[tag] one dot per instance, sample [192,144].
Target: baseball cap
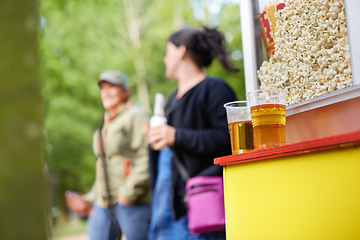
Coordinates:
[115,77]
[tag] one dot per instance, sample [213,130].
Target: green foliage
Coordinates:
[80,39]
[229,24]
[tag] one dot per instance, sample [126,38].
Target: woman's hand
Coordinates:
[161,136]
[124,201]
[77,203]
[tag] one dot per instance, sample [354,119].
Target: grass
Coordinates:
[69,228]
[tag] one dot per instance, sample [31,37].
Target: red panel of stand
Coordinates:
[291,149]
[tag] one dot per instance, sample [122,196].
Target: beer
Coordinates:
[241,136]
[268,125]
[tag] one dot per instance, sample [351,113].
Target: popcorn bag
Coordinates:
[311,54]
[267,21]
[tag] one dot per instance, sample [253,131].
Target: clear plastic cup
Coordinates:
[240,126]
[268,116]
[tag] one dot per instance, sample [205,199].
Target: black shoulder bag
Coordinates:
[111,211]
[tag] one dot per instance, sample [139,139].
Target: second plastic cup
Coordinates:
[240,126]
[268,117]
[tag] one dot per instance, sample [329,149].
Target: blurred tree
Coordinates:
[224,15]
[80,39]
[227,19]
[23,204]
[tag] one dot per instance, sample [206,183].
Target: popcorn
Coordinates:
[311,56]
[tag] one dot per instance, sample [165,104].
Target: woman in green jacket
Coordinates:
[122,180]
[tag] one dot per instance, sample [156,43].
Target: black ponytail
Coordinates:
[204,46]
[218,45]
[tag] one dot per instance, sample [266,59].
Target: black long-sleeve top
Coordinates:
[201,135]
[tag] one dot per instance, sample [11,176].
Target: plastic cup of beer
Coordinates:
[240,126]
[268,116]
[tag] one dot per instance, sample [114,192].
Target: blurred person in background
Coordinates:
[124,187]
[196,128]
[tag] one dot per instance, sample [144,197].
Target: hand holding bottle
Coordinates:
[161,136]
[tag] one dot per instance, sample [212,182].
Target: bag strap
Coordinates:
[106,174]
[117,227]
[182,170]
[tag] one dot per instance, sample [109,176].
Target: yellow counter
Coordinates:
[309,193]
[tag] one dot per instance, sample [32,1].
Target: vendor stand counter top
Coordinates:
[307,190]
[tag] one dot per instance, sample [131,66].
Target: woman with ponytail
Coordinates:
[196,130]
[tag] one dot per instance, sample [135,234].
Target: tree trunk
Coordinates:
[134,23]
[23,208]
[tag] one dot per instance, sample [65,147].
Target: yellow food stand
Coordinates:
[309,188]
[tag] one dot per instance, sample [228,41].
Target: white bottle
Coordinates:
[159,116]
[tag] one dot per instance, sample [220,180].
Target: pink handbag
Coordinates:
[205,201]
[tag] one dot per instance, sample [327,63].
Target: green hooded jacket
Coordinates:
[126,156]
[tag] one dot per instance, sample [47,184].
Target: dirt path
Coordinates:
[81,236]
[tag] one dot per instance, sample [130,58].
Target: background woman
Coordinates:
[126,161]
